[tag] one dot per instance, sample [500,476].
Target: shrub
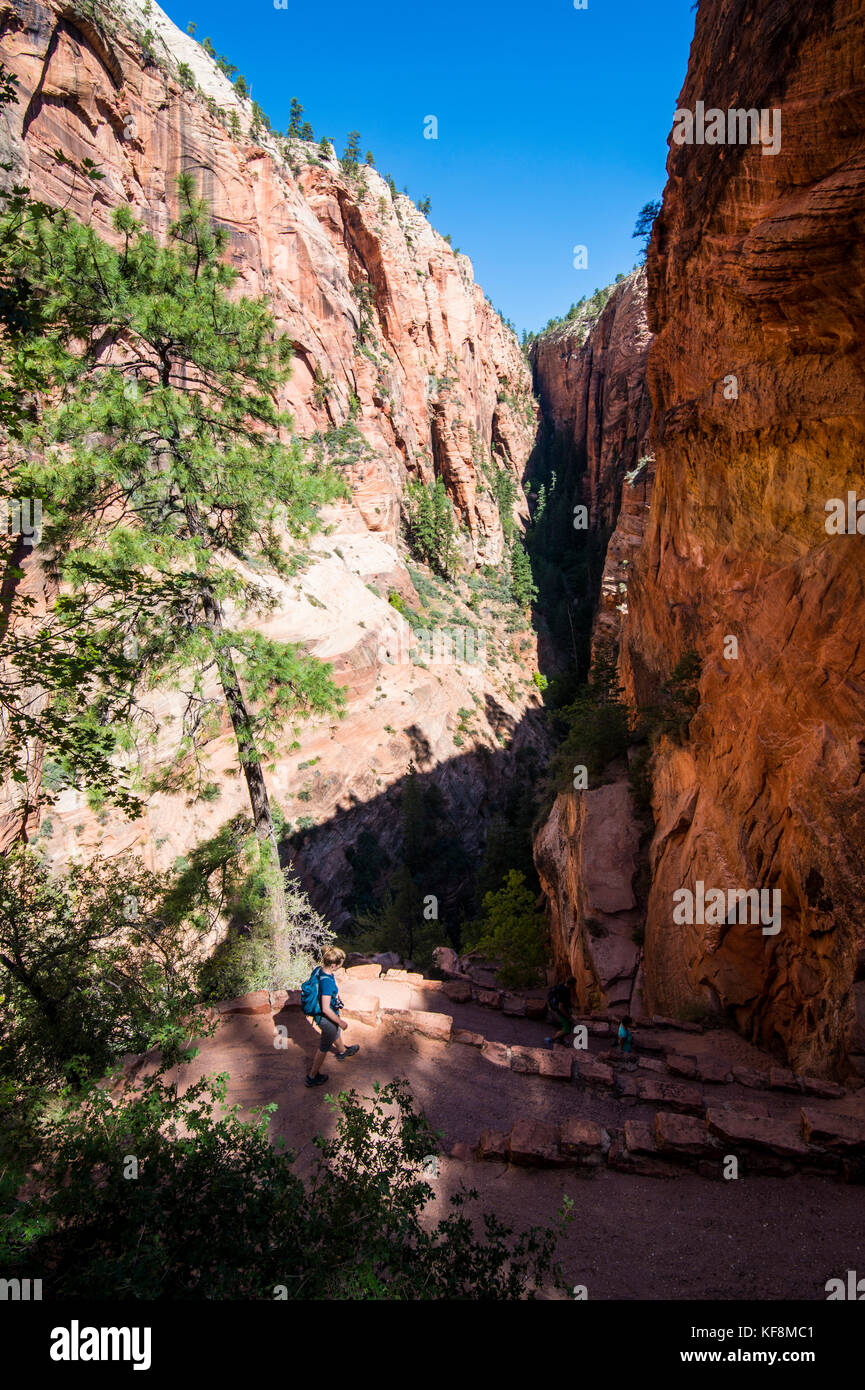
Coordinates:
[512,932]
[90,965]
[217,1212]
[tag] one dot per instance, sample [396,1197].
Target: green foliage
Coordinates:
[159,470]
[295,119]
[430,526]
[513,932]
[90,965]
[678,701]
[350,162]
[505,492]
[582,315]
[260,121]
[241,88]
[364,296]
[369,862]
[218,1212]
[645,221]
[596,728]
[523,587]
[432,860]
[187,76]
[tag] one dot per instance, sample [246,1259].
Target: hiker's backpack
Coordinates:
[310,994]
[553,1000]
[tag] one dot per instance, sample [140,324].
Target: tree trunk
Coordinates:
[249,761]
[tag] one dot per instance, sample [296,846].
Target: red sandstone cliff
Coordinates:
[592,386]
[755,272]
[756,375]
[393,340]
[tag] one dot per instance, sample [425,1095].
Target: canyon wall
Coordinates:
[756,304]
[591,381]
[756,300]
[402,371]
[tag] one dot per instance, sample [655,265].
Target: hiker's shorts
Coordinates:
[566,1023]
[329,1032]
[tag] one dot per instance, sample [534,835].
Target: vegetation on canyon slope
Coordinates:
[138,400]
[160,460]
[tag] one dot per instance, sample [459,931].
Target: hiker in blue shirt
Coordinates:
[625,1037]
[326,1014]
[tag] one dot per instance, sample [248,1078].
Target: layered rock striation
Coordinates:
[756,371]
[402,371]
[591,380]
[739,564]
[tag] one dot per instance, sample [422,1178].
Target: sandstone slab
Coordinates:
[684,1134]
[672,1095]
[534,1144]
[514,1005]
[460,991]
[493,1145]
[469,1039]
[257,1002]
[833,1128]
[780,1137]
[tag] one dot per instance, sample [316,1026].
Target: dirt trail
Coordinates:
[634,1236]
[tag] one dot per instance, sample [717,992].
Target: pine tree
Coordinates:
[241,88]
[351,154]
[161,466]
[523,586]
[645,221]
[295,116]
[307,132]
[445,529]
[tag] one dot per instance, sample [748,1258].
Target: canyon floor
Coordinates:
[681,1233]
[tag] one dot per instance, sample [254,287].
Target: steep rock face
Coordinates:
[379,307]
[592,390]
[592,386]
[756,300]
[402,370]
[586,855]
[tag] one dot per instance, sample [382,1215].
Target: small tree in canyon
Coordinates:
[171,480]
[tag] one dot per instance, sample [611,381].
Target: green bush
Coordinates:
[511,931]
[217,1212]
[90,965]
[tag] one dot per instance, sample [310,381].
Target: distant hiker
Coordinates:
[625,1037]
[559,1004]
[321,1002]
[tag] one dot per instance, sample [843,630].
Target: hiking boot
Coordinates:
[315,1080]
[347,1052]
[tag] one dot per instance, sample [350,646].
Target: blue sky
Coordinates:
[552,121]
